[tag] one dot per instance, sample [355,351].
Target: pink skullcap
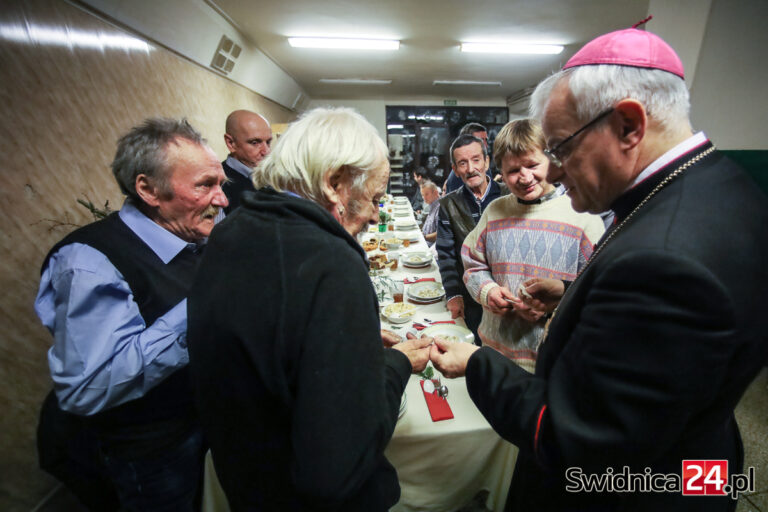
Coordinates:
[629,47]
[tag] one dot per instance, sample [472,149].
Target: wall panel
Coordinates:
[64,105]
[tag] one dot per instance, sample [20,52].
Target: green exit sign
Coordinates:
[450,103]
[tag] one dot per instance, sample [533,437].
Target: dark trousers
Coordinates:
[473,314]
[104,478]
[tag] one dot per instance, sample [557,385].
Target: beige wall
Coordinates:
[193,28]
[728,98]
[63,108]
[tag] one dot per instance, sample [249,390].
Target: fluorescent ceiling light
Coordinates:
[354,81]
[525,48]
[465,82]
[343,43]
[37,34]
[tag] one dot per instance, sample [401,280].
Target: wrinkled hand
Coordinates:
[497,303]
[389,338]
[545,293]
[451,358]
[456,306]
[416,350]
[527,313]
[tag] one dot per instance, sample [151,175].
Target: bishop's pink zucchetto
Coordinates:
[629,47]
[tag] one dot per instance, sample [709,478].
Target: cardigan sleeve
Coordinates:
[477,271]
[592,231]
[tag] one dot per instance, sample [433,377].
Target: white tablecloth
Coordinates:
[441,465]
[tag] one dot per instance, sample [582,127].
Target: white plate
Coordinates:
[401,214]
[406,226]
[411,236]
[450,331]
[415,266]
[416,259]
[432,291]
[392,243]
[402,317]
[400,200]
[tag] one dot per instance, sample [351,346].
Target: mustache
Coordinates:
[211,211]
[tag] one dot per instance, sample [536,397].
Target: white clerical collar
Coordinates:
[676,152]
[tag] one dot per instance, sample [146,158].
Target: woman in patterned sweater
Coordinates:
[532,232]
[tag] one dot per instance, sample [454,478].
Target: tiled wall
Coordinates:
[63,106]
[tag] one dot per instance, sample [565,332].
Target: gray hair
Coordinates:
[143,151]
[597,88]
[323,141]
[428,184]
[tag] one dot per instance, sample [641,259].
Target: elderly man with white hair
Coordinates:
[653,344]
[297,396]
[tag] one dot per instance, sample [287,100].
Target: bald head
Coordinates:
[248,137]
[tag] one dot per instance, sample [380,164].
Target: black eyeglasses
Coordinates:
[552,153]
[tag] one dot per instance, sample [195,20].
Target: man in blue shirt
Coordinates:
[431,193]
[248,137]
[120,429]
[459,212]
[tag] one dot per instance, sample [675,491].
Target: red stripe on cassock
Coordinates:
[538,427]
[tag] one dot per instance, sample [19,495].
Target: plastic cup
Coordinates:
[397,291]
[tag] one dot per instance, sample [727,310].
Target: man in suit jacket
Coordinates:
[653,345]
[248,137]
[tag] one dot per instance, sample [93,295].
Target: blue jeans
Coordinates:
[167,481]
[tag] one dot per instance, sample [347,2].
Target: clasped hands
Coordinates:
[447,356]
[501,301]
[451,358]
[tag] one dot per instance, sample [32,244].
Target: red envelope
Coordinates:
[437,405]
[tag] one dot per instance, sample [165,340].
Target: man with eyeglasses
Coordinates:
[652,346]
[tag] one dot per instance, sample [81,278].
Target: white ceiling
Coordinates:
[430,32]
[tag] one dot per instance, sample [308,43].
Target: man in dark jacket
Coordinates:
[652,346]
[248,137]
[459,212]
[453,181]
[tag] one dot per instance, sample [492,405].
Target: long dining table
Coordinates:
[441,465]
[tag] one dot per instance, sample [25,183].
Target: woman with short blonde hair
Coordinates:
[532,232]
[297,396]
